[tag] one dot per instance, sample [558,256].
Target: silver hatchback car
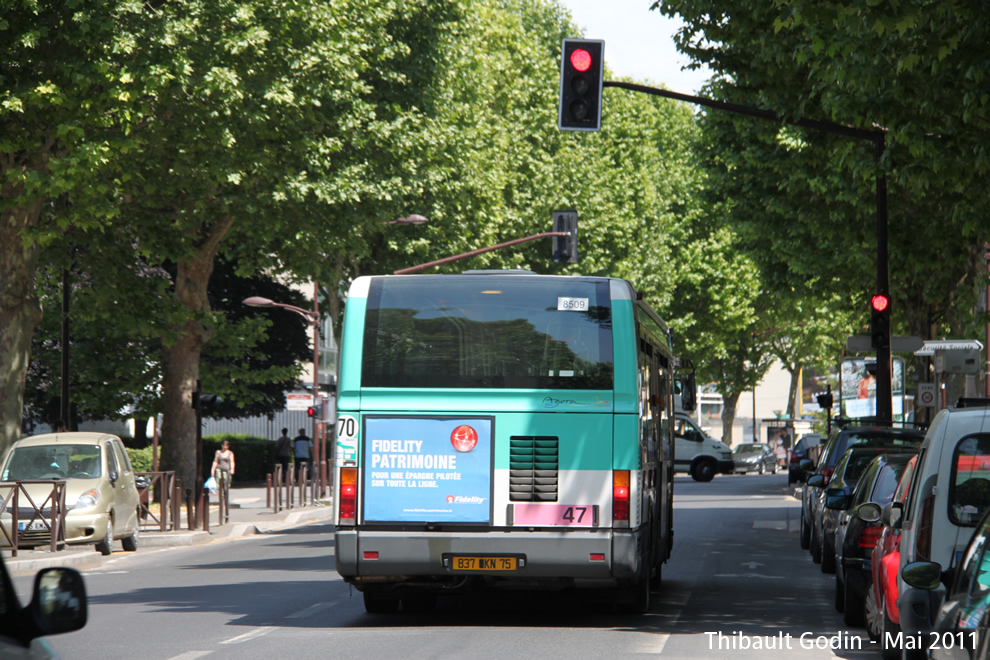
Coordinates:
[101,498]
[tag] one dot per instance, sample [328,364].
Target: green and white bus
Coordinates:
[501,428]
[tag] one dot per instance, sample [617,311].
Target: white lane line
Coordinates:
[676,605]
[312,609]
[190,655]
[257,632]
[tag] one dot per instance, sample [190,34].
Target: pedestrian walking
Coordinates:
[283,453]
[223,464]
[303,446]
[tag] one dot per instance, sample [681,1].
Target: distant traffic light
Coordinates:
[880,321]
[315,411]
[565,247]
[582,70]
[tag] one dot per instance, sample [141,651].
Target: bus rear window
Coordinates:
[970,486]
[488,331]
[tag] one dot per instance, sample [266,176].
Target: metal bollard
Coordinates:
[190,515]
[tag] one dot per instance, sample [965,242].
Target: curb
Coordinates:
[87,559]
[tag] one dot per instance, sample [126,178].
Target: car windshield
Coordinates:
[53,462]
[749,449]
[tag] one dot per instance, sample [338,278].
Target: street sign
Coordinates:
[926,394]
[298,402]
[864,344]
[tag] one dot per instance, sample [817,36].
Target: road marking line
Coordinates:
[257,632]
[312,609]
[770,524]
[190,655]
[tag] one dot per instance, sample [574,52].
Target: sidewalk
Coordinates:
[248,515]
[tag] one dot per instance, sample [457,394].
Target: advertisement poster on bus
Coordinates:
[420,469]
[859,387]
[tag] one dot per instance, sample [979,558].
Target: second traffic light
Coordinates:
[880,321]
[565,248]
[582,70]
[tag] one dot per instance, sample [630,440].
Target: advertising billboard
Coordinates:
[427,469]
[859,395]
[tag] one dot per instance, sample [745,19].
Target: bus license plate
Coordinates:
[483,563]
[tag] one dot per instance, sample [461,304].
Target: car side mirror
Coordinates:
[806,464]
[892,514]
[925,575]
[59,602]
[112,475]
[869,512]
[816,481]
[836,499]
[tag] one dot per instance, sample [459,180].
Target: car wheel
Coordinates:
[105,546]
[828,555]
[816,547]
[378,604]
[805,533]
[853,608]
[872,614]
[704,471]
[130,543]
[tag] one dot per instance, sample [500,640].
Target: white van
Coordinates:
[697,453]
[948,498]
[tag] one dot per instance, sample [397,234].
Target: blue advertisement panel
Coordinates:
[420,469]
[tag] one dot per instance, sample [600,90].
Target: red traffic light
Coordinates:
[879,302]
[581,59]
[311,411]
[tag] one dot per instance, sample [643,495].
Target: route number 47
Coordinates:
[574,514]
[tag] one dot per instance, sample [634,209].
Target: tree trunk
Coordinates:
[20,313]
[180,362]
[793,393]
[729,404]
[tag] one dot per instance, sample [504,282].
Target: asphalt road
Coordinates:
[738,587]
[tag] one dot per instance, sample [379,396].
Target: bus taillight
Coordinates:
[347,508]
[620,496]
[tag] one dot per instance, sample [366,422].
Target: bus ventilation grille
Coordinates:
[533,468]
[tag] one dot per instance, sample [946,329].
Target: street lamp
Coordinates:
[413,219]
[312,316]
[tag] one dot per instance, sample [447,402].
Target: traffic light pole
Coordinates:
[885,410]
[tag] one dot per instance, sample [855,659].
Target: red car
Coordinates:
[881,599]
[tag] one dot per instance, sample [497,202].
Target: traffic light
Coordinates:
[206,404]
[880,321]
[565,247]
[582,70]
[315,411]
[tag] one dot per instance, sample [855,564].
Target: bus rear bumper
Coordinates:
[609,556]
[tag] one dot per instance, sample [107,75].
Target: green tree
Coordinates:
[63,102]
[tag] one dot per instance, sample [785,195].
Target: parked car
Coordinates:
[839,494]
[882,617]
[754,457]
[949,497]
[842,438]
[697,453]
[57,606]
[963,623]
[100,495]
[807,448]
[859,528]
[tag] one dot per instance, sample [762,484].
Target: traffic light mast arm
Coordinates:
[458,257]
[878,137]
